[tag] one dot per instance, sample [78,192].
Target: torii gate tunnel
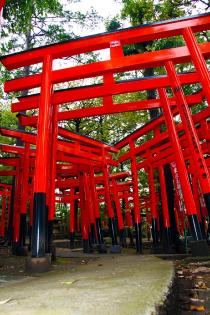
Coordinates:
[182,144]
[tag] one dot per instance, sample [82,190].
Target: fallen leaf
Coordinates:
[201,269]
[69,282]
[201,285]
[199,308]
[5,301]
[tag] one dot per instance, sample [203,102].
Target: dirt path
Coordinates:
[106,285]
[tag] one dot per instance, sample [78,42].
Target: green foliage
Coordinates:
[147,11]
[113,24]
[138,11]
[19,14]
[8,120]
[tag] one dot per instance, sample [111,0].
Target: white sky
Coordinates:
[105,8]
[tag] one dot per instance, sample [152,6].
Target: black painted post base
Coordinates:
[167,243]
[195,227]
[49,237]
[23,230]
[199,248]
[155,234]
[92,234]
[138,238]
[99,231]
[19,250]
[86,247]
[72,238]
[202,227]
[207,202]
[29,235]
[101,248]
[130,235]
[38,239]
[38,264]
[53,253]
[112,231]
[122,235]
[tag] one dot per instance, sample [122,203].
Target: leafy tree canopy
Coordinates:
[19,14]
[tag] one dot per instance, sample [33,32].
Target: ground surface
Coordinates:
[106,285]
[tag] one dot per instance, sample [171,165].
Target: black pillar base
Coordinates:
[130,235]
[92,234]
[167,242]
[23,230]
[101,248]
[38,239]
[49,237]
[155,234]
[112,231]
[86,247]
[122,235]
[195,227]
[202,227]
[99,231]
[207,201]
[19,250]
[138,238]
[29,234]
[38,264]
[53,253]
[72,238]
[199,248]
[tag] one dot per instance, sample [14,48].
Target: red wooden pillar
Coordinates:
[181,167]
[16,214]
[153,201]
[84,215]
[51,175]
[195,189]
[8,206]
[137,216]
[128,217]
[178,200]
[118,211]
[191,134]
[3,213]
[72,217]
[198,60]
[165,211]
[194,185]
[24,194]
[98,225]
[89,207]
[117,205]
[24,188]
[110,210]
[42,160]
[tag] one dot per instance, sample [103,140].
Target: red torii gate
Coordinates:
[48,101]
[81,150]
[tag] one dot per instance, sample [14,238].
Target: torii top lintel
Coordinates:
[101,41]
